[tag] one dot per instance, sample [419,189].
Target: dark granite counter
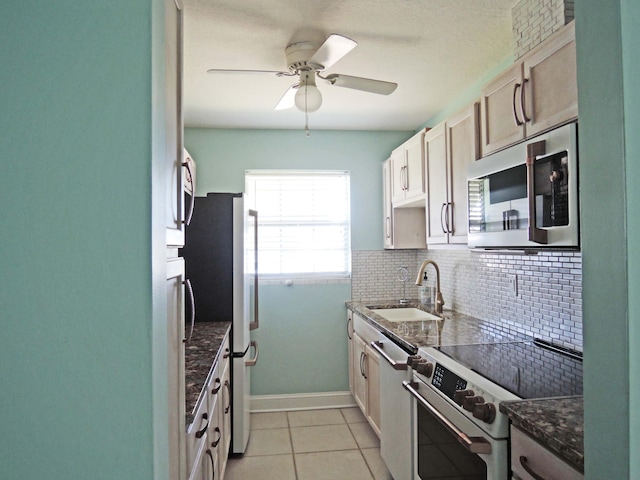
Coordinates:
[452,329]
[200,354]
[556,423]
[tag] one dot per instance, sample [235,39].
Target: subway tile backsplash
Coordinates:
[548,303]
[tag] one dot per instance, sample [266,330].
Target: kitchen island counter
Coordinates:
[201,353]
[556,423]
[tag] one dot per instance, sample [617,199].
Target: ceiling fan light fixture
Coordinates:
[308,98]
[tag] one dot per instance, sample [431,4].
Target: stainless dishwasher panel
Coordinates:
[396,425]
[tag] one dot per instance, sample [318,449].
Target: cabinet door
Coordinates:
[173,149]
[415,167]
[351,351]
[550,83]
[435,154]
[359,379]
[386,204]
[502,122]
[462,150]
[226,413]
[175,367]
[372,369]
[398,177]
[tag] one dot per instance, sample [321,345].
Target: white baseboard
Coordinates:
[301,401]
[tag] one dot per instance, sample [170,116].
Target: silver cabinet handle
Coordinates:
[537,235]
[525,464]
[187,283]
[524,112]
[254,360]
[349,320]
[387,226]
[378,347]
[517,121]
[256,321]
[362,364]
[472,444]
[449,218]
[442,213]
[193,194]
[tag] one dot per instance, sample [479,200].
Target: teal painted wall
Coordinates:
[76,297]
[629,13]
[301,323]
[607,39]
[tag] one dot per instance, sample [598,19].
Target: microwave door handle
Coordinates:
[537,235]
[255,324]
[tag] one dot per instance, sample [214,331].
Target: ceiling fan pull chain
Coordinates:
[306,113]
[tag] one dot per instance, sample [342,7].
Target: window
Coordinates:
[303,222]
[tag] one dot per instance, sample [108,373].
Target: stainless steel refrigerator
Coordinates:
[221,258]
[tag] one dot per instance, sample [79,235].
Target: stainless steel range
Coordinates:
[459,431]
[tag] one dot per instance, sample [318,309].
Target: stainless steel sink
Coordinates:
[407,314]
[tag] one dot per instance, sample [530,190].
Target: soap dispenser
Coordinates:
[423,291]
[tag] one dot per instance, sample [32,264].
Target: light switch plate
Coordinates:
[513,284]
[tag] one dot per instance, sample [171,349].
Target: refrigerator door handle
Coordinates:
[254,360]
[255,324]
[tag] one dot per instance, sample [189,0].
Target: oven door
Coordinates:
[448,445]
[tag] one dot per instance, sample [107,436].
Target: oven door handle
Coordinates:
[472,444]
[378,347]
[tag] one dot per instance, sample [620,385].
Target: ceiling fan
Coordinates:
[307,61]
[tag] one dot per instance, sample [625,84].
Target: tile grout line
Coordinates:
[293,454]
[359,448]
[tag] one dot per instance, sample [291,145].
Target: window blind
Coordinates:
[303,222]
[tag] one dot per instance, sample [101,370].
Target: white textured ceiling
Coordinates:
[433,49]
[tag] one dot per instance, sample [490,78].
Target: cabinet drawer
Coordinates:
[196,432]
[525,450]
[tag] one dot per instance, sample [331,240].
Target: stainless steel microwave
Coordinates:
[526,196]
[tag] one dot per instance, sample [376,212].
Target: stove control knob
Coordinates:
[425,368]
[470,402]
[460,395]
[485,412]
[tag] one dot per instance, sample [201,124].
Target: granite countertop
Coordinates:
[201,352]
[556,423]
[453,329]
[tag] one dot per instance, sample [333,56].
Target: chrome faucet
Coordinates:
[439,299]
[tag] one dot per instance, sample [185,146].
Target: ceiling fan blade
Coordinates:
[248,72]
[361,83]
[288,99]
[333,49]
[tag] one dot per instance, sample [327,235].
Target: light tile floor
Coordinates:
[332,444]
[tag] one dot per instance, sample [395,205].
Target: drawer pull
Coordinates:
[525,464]
[215,443]
[217,384]
[200,433]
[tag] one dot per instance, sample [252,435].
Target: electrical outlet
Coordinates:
[513,284]
[514,378]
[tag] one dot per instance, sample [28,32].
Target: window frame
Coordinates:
[305,277]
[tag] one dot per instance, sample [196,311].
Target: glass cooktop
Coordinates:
[529,369]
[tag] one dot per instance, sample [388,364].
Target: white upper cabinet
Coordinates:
[173,149]
[538,93]
[408,175]
[449,149]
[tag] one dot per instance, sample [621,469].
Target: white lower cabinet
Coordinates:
[209,436]
[532,461]
[365,370]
